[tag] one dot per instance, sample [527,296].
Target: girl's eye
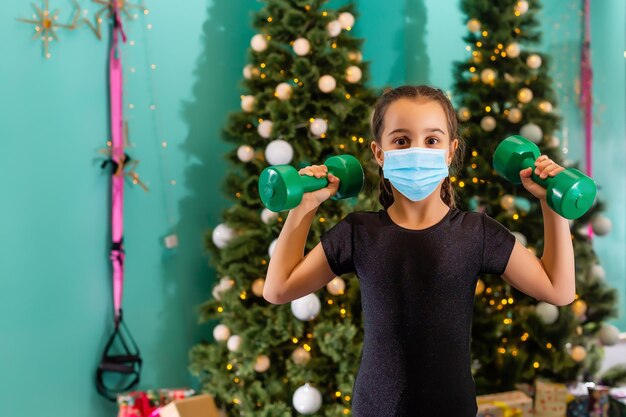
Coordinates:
[403,140]
[429,139]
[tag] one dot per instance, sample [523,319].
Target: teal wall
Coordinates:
[55,303]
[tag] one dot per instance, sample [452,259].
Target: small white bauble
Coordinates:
[507,202]
[355,56]
[306,308]
[520,238]
[533,61]
[464,114]
[262,363]
[318,126]
[473,25]
[301,46]
[609,334]
[597,272]
[247,71]
[327,83]
[334,28]
[222,234]
[480,287]
[234,343]
[515,115]
[300,356]
[257,287]
[265,129]
[578,353]
[513,50]
[221,333]
[487,76]
[554,142]
[488,123]
[226,283]
[336,286]
[307,399]
[525,95]
[278,152]
[521,7]
[258,42]
[245,153]
[601,224]
[548,313]
[217,293]
[268,216]
[271,248]
[545,106]
[247,103]
[353,74]
[532,132]
[283,91]
[346,20]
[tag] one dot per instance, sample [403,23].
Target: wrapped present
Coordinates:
[147,403]
[550,399]
[599,400]
[617,402]
[577,400]
[505,404]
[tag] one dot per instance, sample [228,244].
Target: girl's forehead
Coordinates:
[415,115]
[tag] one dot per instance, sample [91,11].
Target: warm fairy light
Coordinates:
[229,366]
[461,184]
[262,75]
[474,53]
[536,365]
[453,178]
[269,19]
[238,194]
[323,135]
[474,166]
[346,411]
[322,220]
[307,7]
[502,350]
[493,58]
[510,300]
[475,180]
[341,146]
[360,140]
[514,352]
[487,109]
[262,64]
[472,69]
[236,380]
[294,339]
[517,30]
[479,44]
[354,138]
[347,398]
[468,48]
[309,335]
[306,347]
[235,400]
[263,261]
[348,96]
[330,302]
[268,37]
[504,301]
[500,46]
[474,153]
[549,345]
[295,80]
[524,337]
[503,54]
[515,216]
[342,311]
[517,13]
[153,66]
[337,393]
[499,307]
[485,33]
[508,321]
[488,290]
[324,13]
[491,302]
[220,309]
[243,295]
[311,120]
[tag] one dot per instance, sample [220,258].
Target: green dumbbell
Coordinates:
[281,186]
[569,193]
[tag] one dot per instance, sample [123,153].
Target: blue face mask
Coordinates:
[415,171]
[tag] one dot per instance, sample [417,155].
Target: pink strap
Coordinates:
[118,157]
[586,94]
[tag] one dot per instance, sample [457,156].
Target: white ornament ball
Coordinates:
[473,25]
[226,283]
[268,216]
[488,123]
[464,114]
[247,103]
[258,42]
[283,91]
[221,333]
[545,106]
[521,6]
[355,56]
[307,399]
[520,238]
[301,46]
[265,129]
[346,20]
[513,50]
[271,248]
[507,202]
[578,353]
[306,308]
[257,287]
[554,142]
[579,308]
[609,334]
[515,115]
[234,343]
[548,313]
[532,132]
[487,76]
[300,356]
[353,74]
[327,83]
[597,272]
[262,363]
[601,224]
[247,71]
[336,286]
[222,234]
[525,95]
[333,28]
[245,153]
[533,61]
[318,126]
[278,152]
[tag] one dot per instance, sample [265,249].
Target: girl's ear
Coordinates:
[377,152]
[453,145]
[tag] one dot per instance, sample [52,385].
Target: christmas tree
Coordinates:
[504,88]
[305,100]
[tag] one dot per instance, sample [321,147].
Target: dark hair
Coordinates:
[377,127]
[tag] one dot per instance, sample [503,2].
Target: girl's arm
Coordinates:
[551,278]
[290,274]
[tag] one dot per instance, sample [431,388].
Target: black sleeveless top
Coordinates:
[417,295]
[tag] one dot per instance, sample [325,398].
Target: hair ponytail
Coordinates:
[385,194]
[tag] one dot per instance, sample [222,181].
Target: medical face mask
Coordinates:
[415,171]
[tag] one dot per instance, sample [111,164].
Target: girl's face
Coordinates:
[414,123]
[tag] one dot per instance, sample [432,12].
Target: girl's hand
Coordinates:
[544,166]
[317,197]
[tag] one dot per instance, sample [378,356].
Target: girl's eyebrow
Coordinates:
[434,129]
[399,130]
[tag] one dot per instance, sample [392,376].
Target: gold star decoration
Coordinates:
[126,166]
[123,7]
[46,24]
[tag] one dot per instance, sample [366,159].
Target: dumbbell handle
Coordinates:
[311,183]
[530,163]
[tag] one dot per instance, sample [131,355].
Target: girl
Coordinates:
[418,261]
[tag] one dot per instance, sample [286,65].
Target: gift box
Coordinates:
[198,406]
[617,403]
[147,403]
[550,399]
[505,404]
[577,400]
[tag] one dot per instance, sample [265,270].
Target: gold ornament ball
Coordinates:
[488,76]
[545,106]
[578,353]
[480,287]
[579,308]
[525,95]
[257,287]
[507,202]
[473,25]
[515,115]
[300,356]
[521,7]
[355,56]
[464,114]
[488,123]
[336,286]
[262,363]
